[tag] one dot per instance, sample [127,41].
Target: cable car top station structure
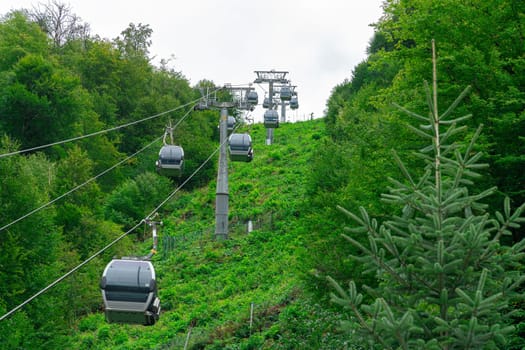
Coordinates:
[279,85]
[271,76]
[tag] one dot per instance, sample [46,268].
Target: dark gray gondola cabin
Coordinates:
[231,123]
[285,93]
[171,160]
[266,102]
[294,102]
[271,119]
[129,291]
[241,148]
[252,97]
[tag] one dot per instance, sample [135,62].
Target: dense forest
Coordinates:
[420,155]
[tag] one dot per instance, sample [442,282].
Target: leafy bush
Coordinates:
[89,323]
[134,199]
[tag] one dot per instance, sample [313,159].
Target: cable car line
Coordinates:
[92,179]
[85,262]
[129,285]
[76,268]
[262,88]
[79,186]
[187,180]
[101,131]
[89,135]
[69,273]
[171,156]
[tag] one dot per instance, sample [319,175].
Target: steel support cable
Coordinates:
[78,187]
[262,87]
[89,135]
[60,279]
[90,180]
[234,85]
[105,130]
[85,262]
[265,92]
[188,179]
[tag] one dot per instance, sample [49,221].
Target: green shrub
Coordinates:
[89,323]
[103,333]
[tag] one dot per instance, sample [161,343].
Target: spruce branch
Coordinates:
[403,169]
[352,300]
[357,244]
[410,113]
[377,259]
[451,131]
[506,222]
[420,132]
[456,120]
[473,141]
[454,104]
[351,215]
[427,149]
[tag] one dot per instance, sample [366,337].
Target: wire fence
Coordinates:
[171,243]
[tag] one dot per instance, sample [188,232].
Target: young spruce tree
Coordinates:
[445,281]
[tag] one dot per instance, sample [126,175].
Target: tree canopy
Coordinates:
[440,267]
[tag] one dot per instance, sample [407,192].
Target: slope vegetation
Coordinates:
[246,292]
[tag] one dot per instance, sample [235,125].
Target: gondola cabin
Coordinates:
[171,160]
[285,93]
[241,148]
[129,291]
[266,102]
[231,124]
[252,98]
[271,119]
[294,103]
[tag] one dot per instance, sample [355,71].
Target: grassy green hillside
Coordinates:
[247,292]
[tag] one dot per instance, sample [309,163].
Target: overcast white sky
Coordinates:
[318,42]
